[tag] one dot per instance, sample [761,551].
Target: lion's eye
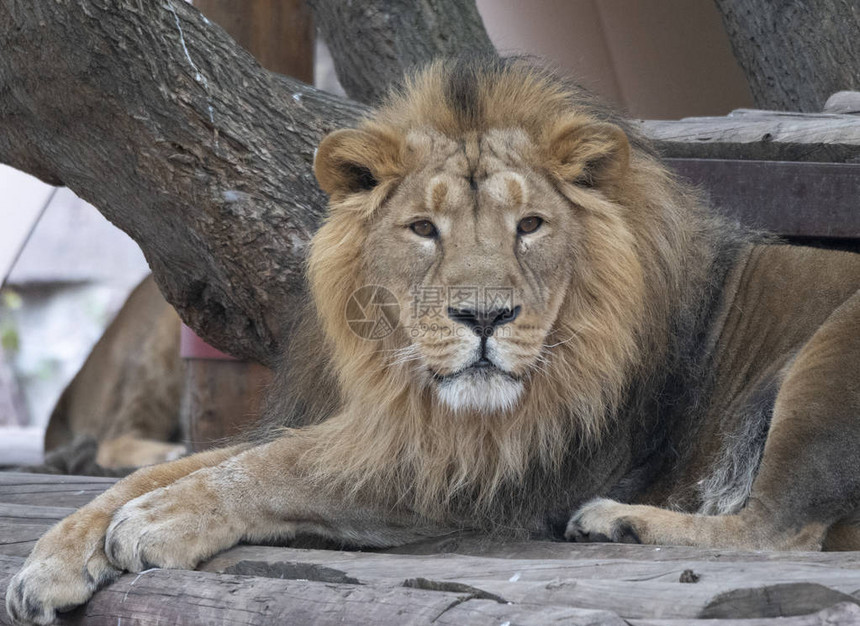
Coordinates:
[529,224]
[424,228]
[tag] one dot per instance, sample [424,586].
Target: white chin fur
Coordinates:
[487,393]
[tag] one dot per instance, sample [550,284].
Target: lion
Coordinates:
[580,349]
[126,396]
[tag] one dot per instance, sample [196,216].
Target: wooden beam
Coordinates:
[790,199]
[760,135]
[278,33]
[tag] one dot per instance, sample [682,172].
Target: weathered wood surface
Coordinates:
[180,597]
[220,399]
[457,579]
[50,490]
[760,135]
[791,199]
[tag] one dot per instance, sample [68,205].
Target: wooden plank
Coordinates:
[635,589]
[28,514]
[790,199]
[19,539]
[220,399]
[331,565]
[474,544]
[181,597]
[278,33]
[50,490]
[522,582]
[29,478]
[758,135]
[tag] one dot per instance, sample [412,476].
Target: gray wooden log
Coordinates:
[844,102]
[795,54]
[629,588]
[842,614]
[760,135]
[374,43]
[181,597]
[194,597]
[373,568]
[633,581]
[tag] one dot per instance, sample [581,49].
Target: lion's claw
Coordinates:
[46,587]
[602,520]
[163,529]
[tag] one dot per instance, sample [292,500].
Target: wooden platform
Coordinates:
[455,580]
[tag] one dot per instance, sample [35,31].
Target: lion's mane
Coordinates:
[627,322]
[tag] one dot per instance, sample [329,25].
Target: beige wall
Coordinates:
[659,59]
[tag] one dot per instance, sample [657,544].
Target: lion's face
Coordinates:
[473,243]
[505,243]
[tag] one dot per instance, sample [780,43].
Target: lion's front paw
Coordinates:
[172,527]
[605,520]
[64,571]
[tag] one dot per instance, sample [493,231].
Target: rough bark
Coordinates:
[795,54]
[150,112]
[373,43]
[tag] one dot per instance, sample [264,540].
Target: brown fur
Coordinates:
[648,342]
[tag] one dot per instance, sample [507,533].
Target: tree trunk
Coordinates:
[373,43]
[150,112]
[795,54]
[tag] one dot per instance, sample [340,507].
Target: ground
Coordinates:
[453,580]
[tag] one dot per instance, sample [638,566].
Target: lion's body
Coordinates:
[648,352]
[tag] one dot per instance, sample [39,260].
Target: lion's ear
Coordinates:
[351,161]
[588,153]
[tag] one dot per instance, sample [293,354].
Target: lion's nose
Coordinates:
[483,323]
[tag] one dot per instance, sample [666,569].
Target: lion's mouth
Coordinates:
[483,367]
[481,386]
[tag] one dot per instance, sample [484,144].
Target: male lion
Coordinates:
[600,336]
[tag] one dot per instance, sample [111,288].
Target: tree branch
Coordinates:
[374,43]
[795,54]
[151,113]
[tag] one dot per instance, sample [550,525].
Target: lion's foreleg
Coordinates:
[809,479]
[68,564]
[261,494]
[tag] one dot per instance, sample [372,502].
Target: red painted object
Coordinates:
[193,347]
